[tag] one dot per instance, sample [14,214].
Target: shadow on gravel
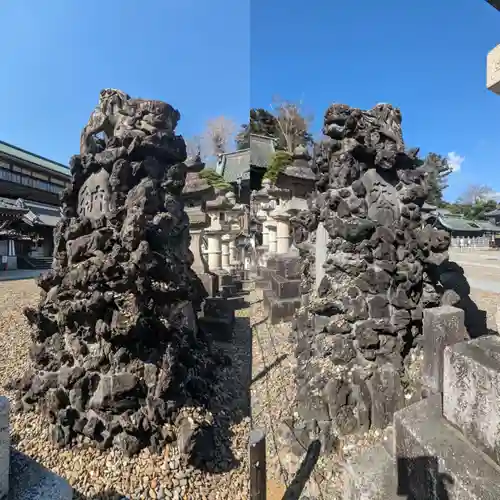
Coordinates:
[268,368]
[294,491]
[450,277]
[230,403]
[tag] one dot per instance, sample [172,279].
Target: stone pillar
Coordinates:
[199,263]
[282,234]
[4,446]
[321,250]
[214,250]
[225,263]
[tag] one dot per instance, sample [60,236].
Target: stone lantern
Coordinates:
[195,194]
[282,277]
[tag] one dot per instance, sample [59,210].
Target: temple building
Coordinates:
[245,168]
[29,207]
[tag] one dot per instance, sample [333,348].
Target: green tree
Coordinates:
[288,125]
[438,170]
[261,122]
[280,160]
[214,179]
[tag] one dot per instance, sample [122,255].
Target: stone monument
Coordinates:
[117,355]
[380,267]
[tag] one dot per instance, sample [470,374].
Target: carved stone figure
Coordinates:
[383,265]
[117,354]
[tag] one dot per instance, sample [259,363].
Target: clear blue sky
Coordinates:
[57,55]
[428,57]
[219,57]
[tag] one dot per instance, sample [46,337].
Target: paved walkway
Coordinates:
[19,274]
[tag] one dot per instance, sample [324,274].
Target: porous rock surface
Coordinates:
[116,352]
[383,266]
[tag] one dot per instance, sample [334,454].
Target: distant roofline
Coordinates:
[260,136]
[56,165]
[235,153]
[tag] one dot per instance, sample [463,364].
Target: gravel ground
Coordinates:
[272,394]
[96,474]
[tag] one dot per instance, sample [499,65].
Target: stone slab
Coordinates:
[436,462]
[442,326]
[31,481]
[471,391]
[228,290]
[371,475]
[248,285]
[285,288]
[279,309]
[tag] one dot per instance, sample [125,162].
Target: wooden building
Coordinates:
[29,206]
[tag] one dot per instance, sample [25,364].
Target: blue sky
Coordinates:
[57,55]
[219,57]
[428,57]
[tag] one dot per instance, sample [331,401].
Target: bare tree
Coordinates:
[475,193]
[218,134]
[194,146]
[293,123]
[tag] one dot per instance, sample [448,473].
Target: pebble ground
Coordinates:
[96,474]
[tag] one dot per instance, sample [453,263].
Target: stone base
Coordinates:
[435,461]
[279,309]
[30,481]
[217,319]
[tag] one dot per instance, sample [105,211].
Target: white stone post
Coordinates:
[225,264]
[265,234]
[272,236]
[214,250]
[4,447]
[233,252]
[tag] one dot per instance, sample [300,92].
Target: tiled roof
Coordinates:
[11,151]
[33,213]
[471,226]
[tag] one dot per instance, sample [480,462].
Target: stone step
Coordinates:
[471,391]
[371,475]
[31,481]
[279,309]
[435,461]
[285,288]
